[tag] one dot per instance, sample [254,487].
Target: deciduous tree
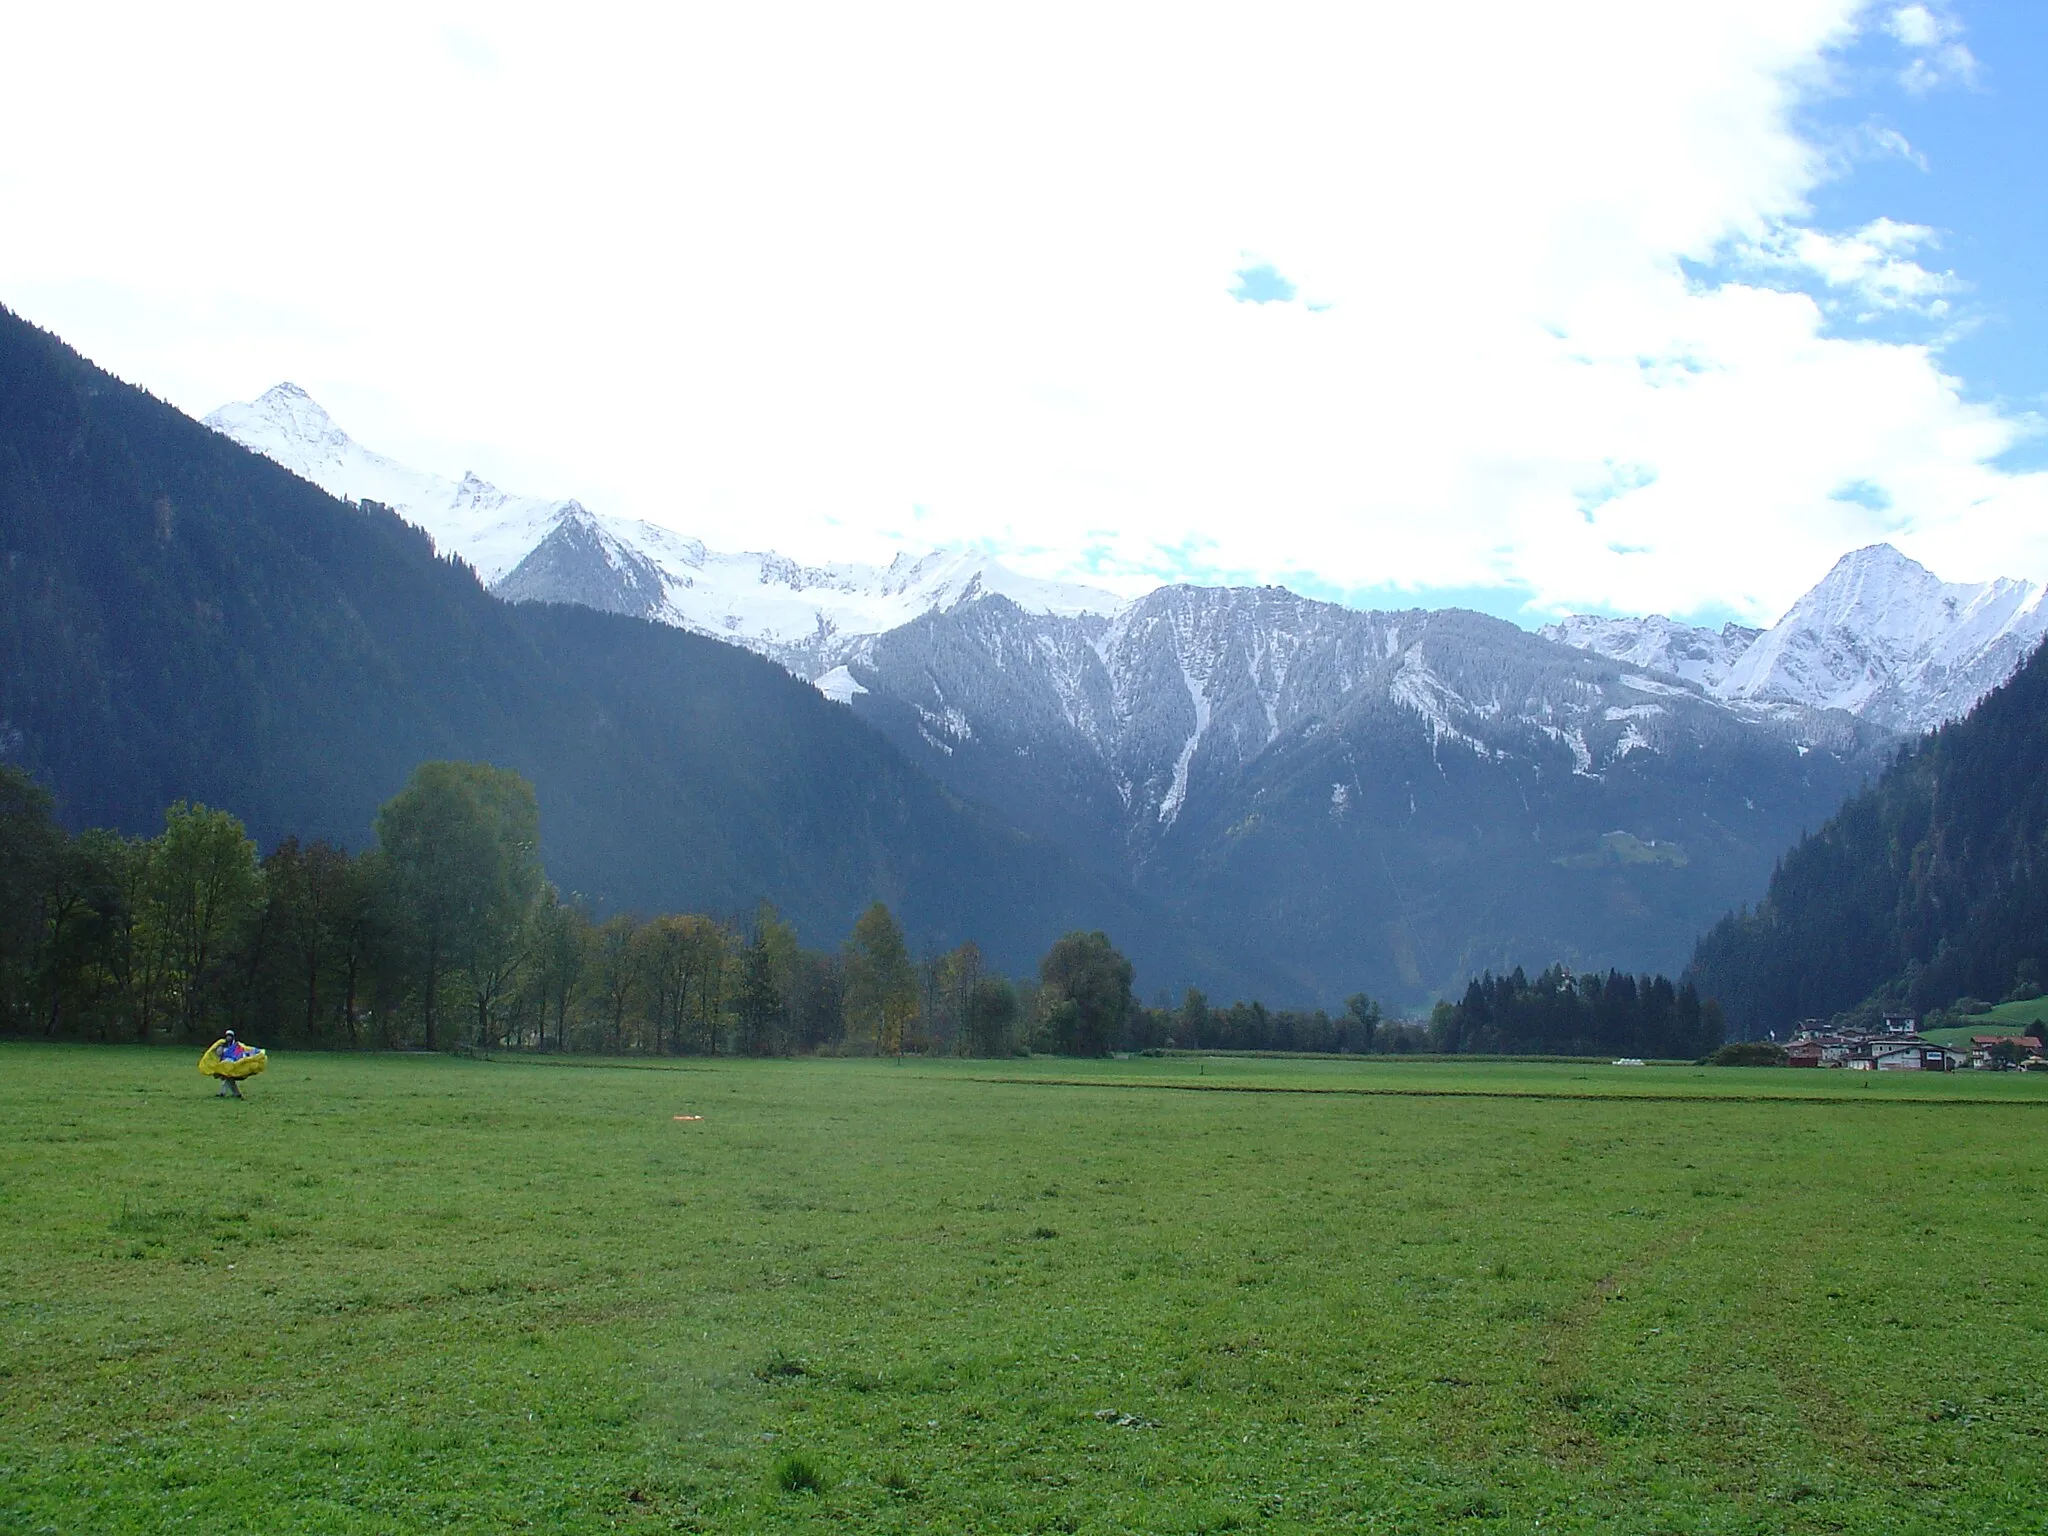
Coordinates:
[461,850]
[1085,992]
[203,883]
[881,982]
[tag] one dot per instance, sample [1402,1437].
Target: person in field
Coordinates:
[231,1061]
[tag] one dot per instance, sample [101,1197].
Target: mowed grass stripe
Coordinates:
[1709,1096]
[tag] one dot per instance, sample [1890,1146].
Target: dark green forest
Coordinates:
[1560,1014]
[1928,888]
[181,619]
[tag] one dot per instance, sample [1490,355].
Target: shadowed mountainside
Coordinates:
[181,618]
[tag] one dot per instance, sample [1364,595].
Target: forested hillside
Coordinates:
[181,619]
[1930,885]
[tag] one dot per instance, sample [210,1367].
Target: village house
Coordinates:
[1817,1047]
[1912,1056]
[1897,1047]
[1985,1053]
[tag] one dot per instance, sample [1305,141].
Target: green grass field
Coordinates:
[2005,1019]
[426,1294]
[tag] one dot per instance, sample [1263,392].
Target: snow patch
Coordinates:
[1421,690]
[1177,791]
[952,720]
[1641,684]
[1575,739]
[839,685]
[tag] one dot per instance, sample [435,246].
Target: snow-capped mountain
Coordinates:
[1880,636]
[489,528]
[1703,656]
[532,549]
[1397,798]
[1883,637]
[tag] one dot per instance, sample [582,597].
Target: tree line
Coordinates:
[1588,1014]
[446,933]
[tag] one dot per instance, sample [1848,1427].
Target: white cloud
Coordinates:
[1915,26]
[836,278]
[1930,33]
[1874,265]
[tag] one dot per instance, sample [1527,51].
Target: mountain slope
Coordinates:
[530,549]
[1385,801]
[1932,884]
[181,618]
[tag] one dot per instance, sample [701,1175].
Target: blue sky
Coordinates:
[1978,176]
[1598,306]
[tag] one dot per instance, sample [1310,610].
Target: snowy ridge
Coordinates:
[1880,637]
[1703,656]
[470,517]
[811,618]
[1883,637]
[1161,715]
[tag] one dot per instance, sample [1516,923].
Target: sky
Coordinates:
[1615,307]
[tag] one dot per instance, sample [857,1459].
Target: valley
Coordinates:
[1261,794]
[1390,801]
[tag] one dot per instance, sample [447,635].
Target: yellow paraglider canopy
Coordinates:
[247,1061]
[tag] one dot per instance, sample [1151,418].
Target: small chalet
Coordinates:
[1915,1056]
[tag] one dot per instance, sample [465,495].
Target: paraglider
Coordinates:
[231,1061]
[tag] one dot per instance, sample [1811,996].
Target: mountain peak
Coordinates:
[1878,556]
[1876,570]
[294,411]
[1882,636]
[284,415]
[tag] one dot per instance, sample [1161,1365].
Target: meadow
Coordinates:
[2020,1018]
[408,1293]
